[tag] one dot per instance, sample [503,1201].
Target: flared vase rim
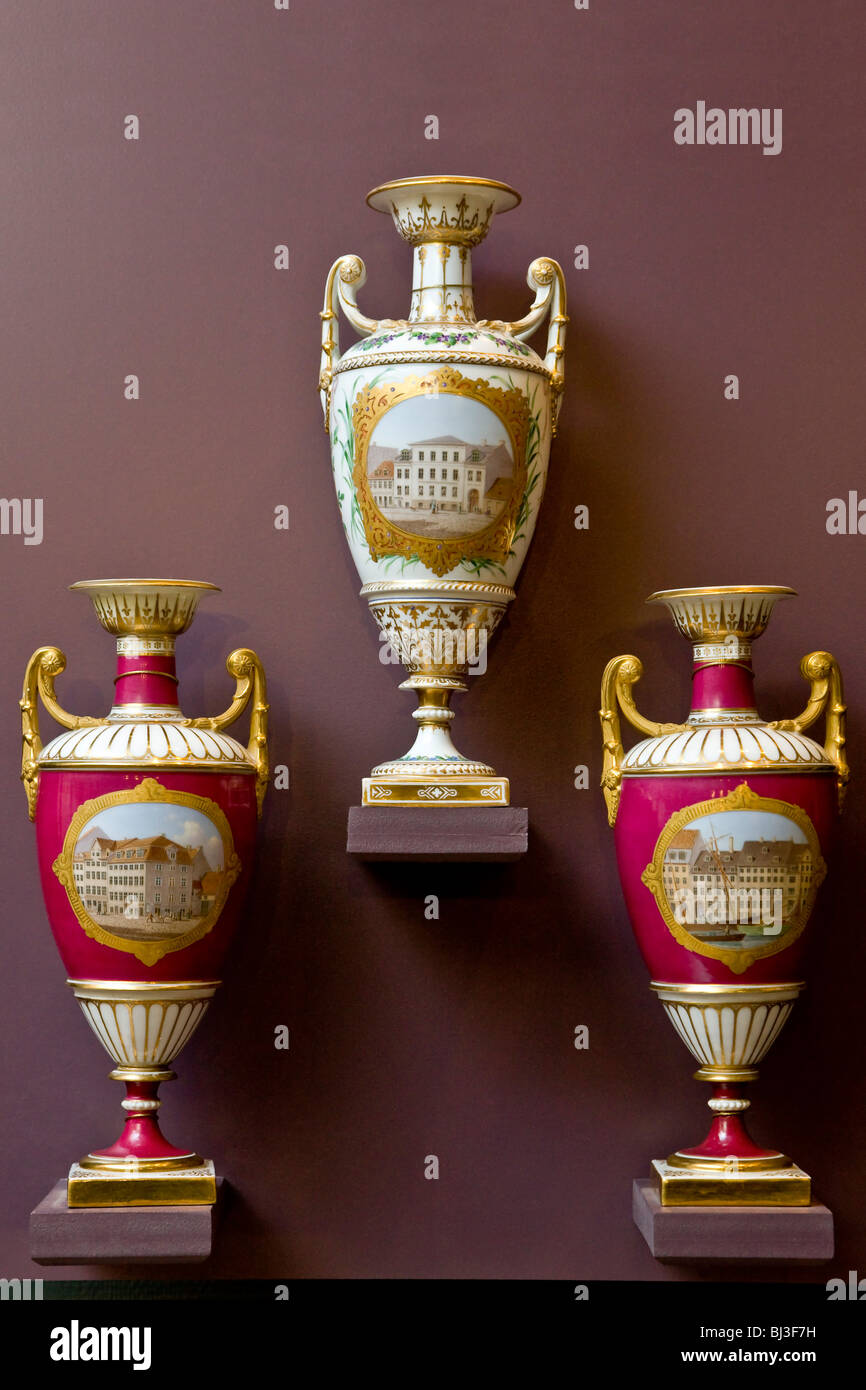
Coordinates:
[778,591]
[380,197]
[90,586]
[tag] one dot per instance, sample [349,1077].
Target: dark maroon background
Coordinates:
[411,1037]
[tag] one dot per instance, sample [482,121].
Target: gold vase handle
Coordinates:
[347,275]
[42,669]
[250,681]
[826,696]
[620,675]
[545,277]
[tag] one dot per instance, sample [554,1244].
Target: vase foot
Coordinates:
[416,789]
[734,1186]
[142,1184]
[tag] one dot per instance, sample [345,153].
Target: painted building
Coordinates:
[441,474]
[153,878]
[700,866]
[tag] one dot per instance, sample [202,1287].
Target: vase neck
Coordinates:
[722,680]
[441,283]
[146,676]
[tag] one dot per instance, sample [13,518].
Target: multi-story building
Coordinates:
[703,866]
[445,474]
[678,861]
[153,878]
[382,485]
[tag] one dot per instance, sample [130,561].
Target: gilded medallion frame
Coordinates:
[510,405]
[742,798]
[148,791]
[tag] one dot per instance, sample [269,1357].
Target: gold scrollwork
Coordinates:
[43,667]
[250,680]
[620,674]
[827,694]
[742,798]
[147,791]
[511,406]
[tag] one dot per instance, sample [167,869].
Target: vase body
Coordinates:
[723,827]
[440,428]
[145,827]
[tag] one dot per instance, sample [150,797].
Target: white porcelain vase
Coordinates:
[440,428]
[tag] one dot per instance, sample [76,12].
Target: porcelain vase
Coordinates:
[145,830]
[723,827]
[440,427]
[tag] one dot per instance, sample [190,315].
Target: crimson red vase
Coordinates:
[723,827]
[145,829]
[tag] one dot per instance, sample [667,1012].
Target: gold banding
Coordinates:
[727,1074]
[452,357]
[143,1073]
[439,588]
[722,1165]
[435,789]
[141,671]
[709,990]
[780,591]
[114,1164]
[393,185]
[153,986]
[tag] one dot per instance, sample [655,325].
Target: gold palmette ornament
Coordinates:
[440,428]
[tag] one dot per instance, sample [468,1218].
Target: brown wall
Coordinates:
[411,1037]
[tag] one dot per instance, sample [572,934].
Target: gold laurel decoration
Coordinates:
[372,403]
[147,791]
[742,798]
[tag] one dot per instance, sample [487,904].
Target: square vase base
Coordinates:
[464,790]
[770,1187]
[446,832]
[731,1234]
[64,1235]
[175,1187]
